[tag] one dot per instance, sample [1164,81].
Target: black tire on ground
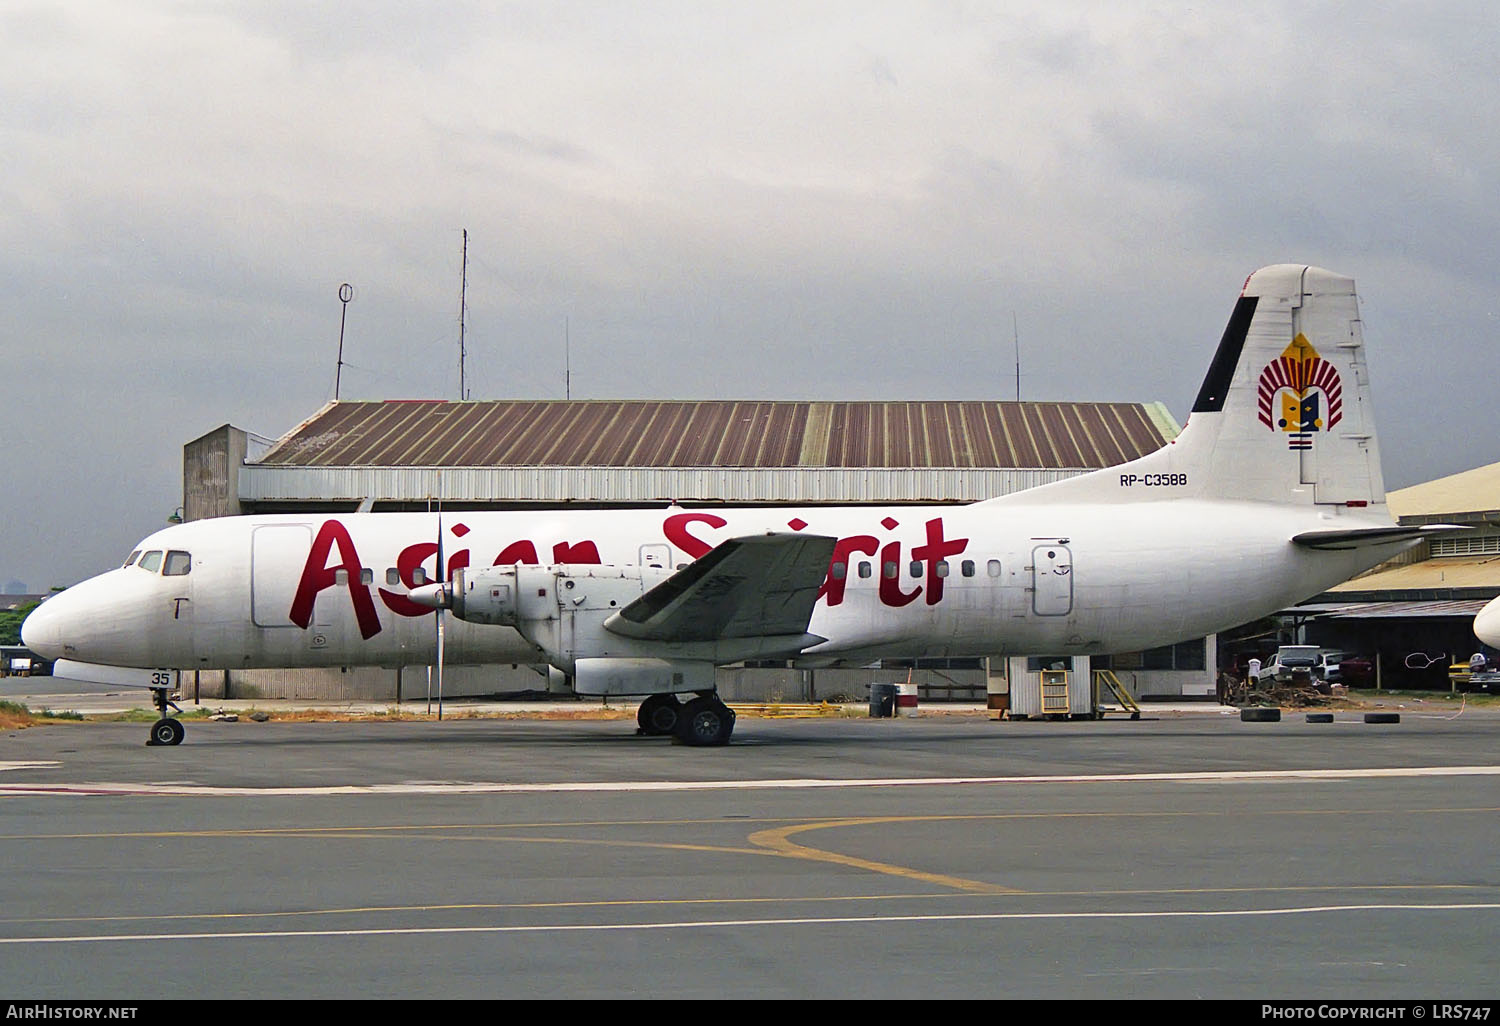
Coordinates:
[1260,715]
[658,714]
[166,731]
[1382,717]
[1320,717]
[704,722]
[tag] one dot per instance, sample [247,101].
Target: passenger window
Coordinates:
[392,576]
[840,571]
[864,568]
[994,568]
[942,568]
[151,561]
[366,576]
[968,568]
[916,568]
[177,565]
[341,577]
[890,569]
[419,577]
[132,557]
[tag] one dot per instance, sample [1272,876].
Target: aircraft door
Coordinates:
[176,572]
[1051,580]
[278,552]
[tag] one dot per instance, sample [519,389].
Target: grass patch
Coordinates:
[14,715]
[147,716]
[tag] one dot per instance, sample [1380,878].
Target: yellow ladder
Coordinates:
[1108,679]
[1054,692]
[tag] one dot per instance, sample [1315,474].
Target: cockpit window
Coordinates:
[151,561]
[132,557]
[178,564]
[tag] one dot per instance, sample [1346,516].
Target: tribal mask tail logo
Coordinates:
[1294,388]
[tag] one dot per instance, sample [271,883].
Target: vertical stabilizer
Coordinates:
[1283,414]
[1294,421]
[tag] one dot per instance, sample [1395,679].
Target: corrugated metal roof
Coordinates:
[1463,608]
[1441,572]
[1472,491]
[648,433]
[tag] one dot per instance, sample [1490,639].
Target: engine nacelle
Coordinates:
[563,611]
[513,596]
[642,676]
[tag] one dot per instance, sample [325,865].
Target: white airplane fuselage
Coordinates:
[1272,493]
[909,581]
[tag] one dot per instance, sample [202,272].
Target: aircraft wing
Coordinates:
[1360,537]
[757,586]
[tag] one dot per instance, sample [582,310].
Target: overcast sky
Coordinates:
[719,200]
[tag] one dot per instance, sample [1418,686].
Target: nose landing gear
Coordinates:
[165,731]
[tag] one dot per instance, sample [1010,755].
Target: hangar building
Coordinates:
[1413,616]
[509,454]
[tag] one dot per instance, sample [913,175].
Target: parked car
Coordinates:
[1357,671]
[1319,664]
[1331,665]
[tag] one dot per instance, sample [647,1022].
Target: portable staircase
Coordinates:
[1107,679]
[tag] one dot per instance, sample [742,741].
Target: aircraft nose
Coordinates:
[41,631]
[1487,624]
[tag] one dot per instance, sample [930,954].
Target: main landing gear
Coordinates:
[165,731]
[700,722]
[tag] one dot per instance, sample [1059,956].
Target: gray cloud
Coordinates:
[749,200]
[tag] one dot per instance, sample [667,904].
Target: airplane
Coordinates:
[1272,493]
[1487,624]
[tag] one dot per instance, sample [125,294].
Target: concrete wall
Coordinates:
[210,473]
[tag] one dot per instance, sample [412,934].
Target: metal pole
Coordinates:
[463,293]
[346,293]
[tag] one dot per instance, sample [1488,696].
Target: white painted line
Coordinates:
[459,787]
[156,938]
[27,765]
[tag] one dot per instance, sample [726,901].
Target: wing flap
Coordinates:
[752,587]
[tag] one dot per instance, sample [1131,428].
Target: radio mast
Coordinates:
[463,294]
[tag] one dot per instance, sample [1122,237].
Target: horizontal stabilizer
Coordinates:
[753,587]
[1362,537]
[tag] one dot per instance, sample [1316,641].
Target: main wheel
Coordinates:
[166,731]
[658,715]
[705,721]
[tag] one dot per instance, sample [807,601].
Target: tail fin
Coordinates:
[1283,415]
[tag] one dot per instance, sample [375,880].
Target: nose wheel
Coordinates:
[165,731]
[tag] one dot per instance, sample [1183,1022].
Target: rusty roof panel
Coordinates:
[656,433]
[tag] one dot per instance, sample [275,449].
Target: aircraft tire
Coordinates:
[658,715]
[705,722]
[1260,714]
[166,731]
